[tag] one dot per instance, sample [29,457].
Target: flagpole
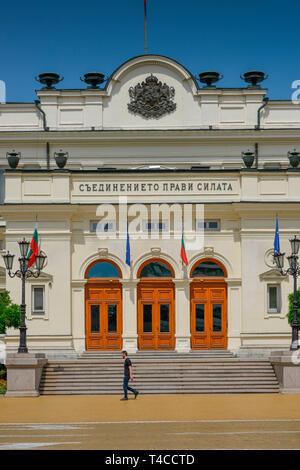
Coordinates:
[146,46]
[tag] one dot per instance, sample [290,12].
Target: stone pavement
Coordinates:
[245,421]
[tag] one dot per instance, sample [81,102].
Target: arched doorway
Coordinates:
[208,305]
[103,298]
[156,316]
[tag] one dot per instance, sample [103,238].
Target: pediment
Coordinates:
[272,275]
[42,277]
[145,63]
[151,92]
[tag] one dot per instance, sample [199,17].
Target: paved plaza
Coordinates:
[186,422]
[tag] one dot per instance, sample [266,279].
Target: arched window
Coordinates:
[156,269]
[103,269]
[208,268]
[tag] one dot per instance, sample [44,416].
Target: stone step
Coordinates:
[110,372]
[223,389]
[152,378]
[154,370]
[133,358]
[176,392]
[196,384]
[151,366]
[156,366]
[87,356]
[153,374]
[155,377]
[155,360]
[148,369]
[151,385]
[160,352]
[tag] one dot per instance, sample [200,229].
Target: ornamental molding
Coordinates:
[269,258]
[151,98]
[156,251]
[209,250]
[103,252]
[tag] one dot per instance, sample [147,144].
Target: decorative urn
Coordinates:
[94,79]
[61,158]
[294,158]
[248,158]
[254,77]
[49,79]
[13,158]
[209,77]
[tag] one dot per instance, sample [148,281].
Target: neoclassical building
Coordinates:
[152,135]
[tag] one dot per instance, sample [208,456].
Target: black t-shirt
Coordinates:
[127,363]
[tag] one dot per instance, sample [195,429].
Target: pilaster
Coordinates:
[130,335]
[78,315]
[182,315]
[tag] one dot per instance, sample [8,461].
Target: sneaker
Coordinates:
[136,394]
[122,399]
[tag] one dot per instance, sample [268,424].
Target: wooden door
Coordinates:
[156,316]
[103,316]
[208,315]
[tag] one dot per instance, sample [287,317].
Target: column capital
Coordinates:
[129,282]
[233,281]
[182,282]
[79,282]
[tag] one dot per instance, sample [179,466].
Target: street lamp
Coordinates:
[24,272]
[293,270]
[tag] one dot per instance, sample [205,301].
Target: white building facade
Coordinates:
[175,144]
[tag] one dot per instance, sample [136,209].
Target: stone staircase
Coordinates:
[101,373]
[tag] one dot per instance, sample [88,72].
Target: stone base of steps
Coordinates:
[211,391]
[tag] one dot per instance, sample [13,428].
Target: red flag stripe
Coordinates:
[34,248]
[35,251]
[183,253]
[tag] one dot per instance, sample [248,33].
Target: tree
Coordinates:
[290,313]
[10,314]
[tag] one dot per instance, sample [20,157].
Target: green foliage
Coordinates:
[290,313]
[2,372]
[10,314]
[2,387]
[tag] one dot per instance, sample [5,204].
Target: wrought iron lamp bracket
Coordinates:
[34,274]
[27,274]
[12,275]
[290,271]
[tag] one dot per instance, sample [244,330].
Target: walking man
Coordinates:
[127,376]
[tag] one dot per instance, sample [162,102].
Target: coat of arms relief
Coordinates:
[151,98]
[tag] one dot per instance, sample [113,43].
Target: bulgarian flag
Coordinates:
[183,253]
[34,247]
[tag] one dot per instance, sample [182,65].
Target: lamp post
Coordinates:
[24,272]
[293,270]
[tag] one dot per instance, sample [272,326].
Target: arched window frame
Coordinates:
[209,277]
[103,261]
[153,260]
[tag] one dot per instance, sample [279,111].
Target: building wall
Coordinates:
[243,245]
[210,128]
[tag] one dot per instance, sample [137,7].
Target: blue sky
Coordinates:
[72,38]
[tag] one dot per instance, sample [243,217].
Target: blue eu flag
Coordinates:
[276,239]
[128,249]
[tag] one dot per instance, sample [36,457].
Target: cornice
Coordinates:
[162,135]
